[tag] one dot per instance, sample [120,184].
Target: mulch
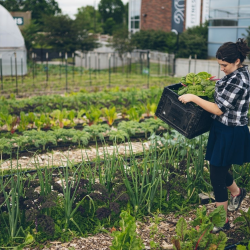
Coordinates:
[166,230]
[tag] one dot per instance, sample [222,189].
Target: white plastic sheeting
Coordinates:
[11,43]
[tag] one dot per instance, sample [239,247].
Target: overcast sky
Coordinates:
[70,6]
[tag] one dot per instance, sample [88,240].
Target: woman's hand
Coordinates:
[186,98]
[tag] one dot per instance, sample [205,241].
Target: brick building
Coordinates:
[166,15]
[156,15]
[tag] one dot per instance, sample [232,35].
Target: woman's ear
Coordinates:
[237,62]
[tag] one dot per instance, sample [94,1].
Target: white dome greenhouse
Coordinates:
[11,42]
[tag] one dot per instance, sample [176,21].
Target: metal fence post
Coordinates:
[195,57]
[81,63]
[90,81]
[1,69]
[60,66]
[22,69]
[148,57]
[66,69]
[11,70]
[47,67]
[16,73]
[166,66]
[99,63]
[158,64]
[109,69]
[73,67]
[189,63]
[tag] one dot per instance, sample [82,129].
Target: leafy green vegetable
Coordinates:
[204,75]
[126,238]
[199,236]
[192,78]
[198,84]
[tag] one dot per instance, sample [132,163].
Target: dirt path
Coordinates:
[59,158]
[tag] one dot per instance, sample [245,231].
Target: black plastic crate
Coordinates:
[188,119]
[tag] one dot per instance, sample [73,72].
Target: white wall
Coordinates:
[6,55]
[196,66]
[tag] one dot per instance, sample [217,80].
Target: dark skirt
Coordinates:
[228,145]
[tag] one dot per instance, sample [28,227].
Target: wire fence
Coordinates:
[88,71]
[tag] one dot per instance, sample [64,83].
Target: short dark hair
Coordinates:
[230,51]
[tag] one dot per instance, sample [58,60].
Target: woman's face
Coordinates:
[228,68]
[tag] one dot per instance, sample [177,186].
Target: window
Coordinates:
[134,13]
[244,2]
[223,22]
[221,35]
[244,11]
[244,22]
[224,13]
[220,4]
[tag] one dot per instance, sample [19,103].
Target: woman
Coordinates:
[229,138]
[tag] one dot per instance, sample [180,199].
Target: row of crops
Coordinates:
[59,203]
[54,203]
[115,115]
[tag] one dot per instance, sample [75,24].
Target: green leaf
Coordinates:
[221,241]
[218,216]
[181,228]
[204,75]
[240,247]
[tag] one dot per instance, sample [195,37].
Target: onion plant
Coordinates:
[69,187]
[142,179]
[12,202]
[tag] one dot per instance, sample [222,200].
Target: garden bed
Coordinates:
[166,230]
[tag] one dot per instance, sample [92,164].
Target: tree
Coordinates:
[38,8]
[109,26]
[89,19]
[154,40]
[85,41]
[11,5]
[62,33]
[192,44]
[111,9]
[41,8]
[29,33]
[67,35]
[121,42]
[193,41]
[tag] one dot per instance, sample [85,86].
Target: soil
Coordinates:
[166,230]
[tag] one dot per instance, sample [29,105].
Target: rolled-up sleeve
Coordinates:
[227,99]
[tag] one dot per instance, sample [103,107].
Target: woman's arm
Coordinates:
[208,106]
